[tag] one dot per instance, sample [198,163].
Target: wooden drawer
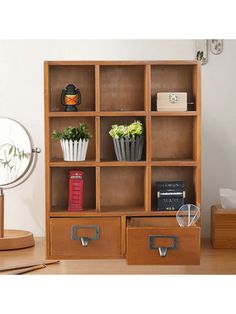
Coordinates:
[160,240]
[85,238]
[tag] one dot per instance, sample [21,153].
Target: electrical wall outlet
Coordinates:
[216,46]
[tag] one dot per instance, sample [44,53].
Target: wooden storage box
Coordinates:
[223,227]
[171,101]
[160,240]
[92,237]
[119,200]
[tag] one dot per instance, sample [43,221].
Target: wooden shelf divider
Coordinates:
[174,114]
[122,113]
[147,89]
[97,88]
[63,114]
[147,189]
[98,189]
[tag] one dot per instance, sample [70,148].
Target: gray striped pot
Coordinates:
[129,149]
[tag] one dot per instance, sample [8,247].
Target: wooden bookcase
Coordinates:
[119,197]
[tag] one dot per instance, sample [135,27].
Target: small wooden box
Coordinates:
[171,101]
[223,227]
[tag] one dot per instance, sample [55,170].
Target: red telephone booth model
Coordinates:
[76,187]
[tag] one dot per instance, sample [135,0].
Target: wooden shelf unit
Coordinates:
[118,92]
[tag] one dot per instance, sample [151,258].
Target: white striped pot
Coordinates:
[74,150]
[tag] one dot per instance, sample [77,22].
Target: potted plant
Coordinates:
[74,142]
[128,141]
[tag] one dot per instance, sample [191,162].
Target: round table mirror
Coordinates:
[17,162]
[15,151]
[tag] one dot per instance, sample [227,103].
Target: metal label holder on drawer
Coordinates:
[84,240]
[162,249]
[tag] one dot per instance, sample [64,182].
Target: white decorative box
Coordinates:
[171,101]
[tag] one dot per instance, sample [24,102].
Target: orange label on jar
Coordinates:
[71,99]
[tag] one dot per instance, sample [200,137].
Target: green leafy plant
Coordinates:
[72,133]
[11,159]
[131,130]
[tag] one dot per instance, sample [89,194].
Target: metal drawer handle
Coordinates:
[84,240]
[162,249]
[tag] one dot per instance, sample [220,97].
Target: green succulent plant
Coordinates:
[131,130]
[73,133]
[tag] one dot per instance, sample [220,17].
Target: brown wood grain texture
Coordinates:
[98,189]
[223,227]
[172,137]
[107,246]
[187,249]
[115,81]
[47,138]
[25,265]
[213,261]
[16,239]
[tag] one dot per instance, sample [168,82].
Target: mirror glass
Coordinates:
[15,151]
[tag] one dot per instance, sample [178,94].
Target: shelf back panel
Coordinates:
[59,124]
[107,146]
[83,77]
[172,138]
[122,88]
[122,187]
[60,188]
[185,174]
[171,78]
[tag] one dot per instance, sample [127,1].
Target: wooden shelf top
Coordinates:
[114,163]
[62,163]
[174,163]
[174,113]
[222,211]
[93,163]
[63,114]
[122,209]
[122,163]
[121,62]
[121,113]
[62,212]
[111,211]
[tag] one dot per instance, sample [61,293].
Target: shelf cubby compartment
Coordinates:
[172,78]
[82,76]
[122,189]
[107,147]
[60,189]
[172,138]
[59,124]
[185,174]
[122,87]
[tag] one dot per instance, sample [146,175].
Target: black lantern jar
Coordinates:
[70,98]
